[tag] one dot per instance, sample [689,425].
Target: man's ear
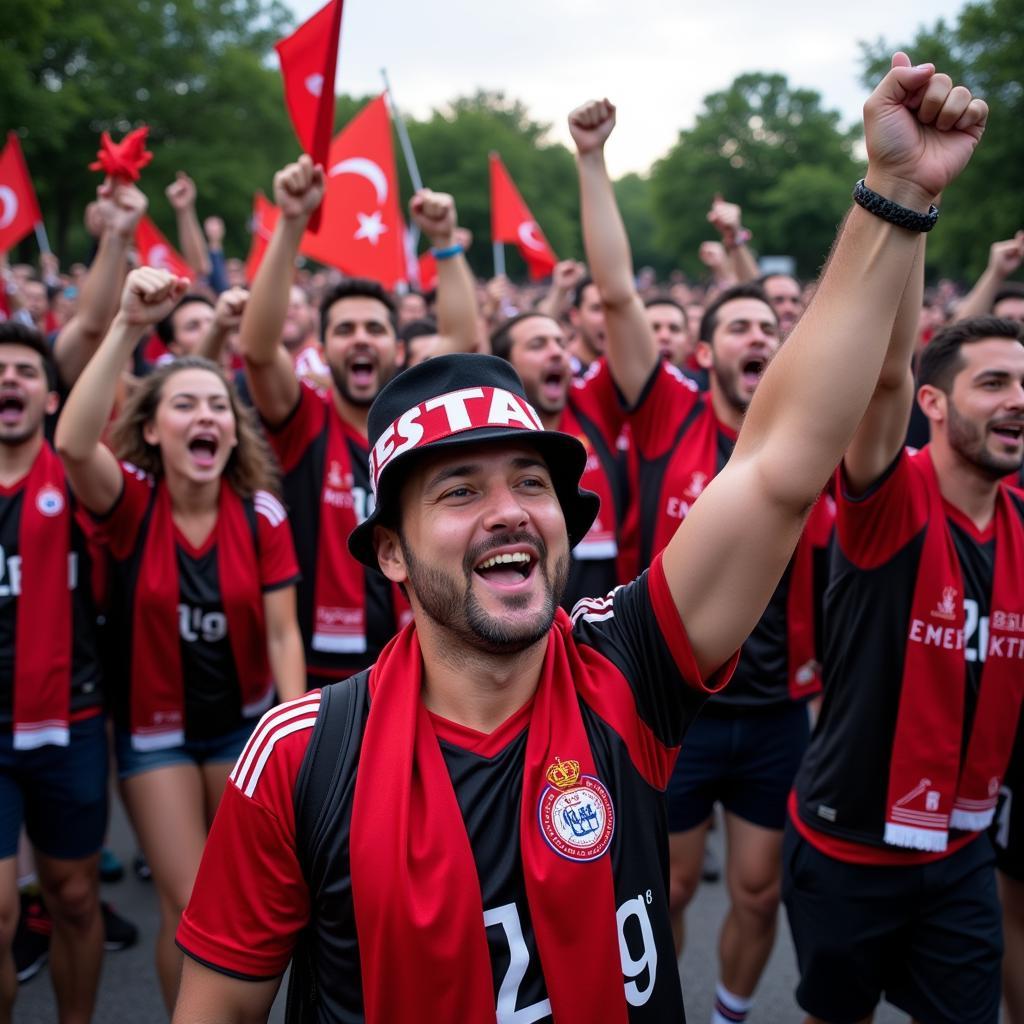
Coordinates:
[52,403]
[933,402]
[389,554]
[704,356]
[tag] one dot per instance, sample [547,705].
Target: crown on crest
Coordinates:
[564,774]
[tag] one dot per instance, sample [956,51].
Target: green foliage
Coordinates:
[452,149]
[986,203]
[756,143]
[635,198]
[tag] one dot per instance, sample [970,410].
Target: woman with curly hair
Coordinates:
[202,588]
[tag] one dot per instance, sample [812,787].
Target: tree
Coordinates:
[745,143]
[982,50]
[634,195]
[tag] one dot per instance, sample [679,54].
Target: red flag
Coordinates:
[19,208]
[264,220]
[511,221]
[156,251]
[363,232]
[309,60]
[428,271]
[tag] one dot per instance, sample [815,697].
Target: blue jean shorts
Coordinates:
[58,793]
[217,750]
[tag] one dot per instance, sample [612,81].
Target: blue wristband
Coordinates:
[448,252]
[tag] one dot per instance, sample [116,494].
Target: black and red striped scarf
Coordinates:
[157,686]
[415,887]
[339,595]
[42,664]
[930,790]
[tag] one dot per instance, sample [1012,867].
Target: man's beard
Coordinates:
[340,382]
[458,610]
[967,439]
[728,384]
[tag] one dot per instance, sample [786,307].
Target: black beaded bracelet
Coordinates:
[901,216]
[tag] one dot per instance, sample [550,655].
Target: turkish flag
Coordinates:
[19,208]
[511,221]
[156,251]
[309,60]
[363,232]
[264,220]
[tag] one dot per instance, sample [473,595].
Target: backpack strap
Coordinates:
[327,771]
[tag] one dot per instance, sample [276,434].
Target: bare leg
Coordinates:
[9,907]
[1011,895]
[686,859]
[215,778]
[168,809]
[71,891]
[753,874]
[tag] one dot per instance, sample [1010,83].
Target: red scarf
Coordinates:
[415,888]
[930,791]
[42,663]
[339,598]
[158,690]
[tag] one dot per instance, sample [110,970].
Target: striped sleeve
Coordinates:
[278,564]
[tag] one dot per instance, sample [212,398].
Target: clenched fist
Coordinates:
[299,188]
[591,124]
[434,214]
[149,295]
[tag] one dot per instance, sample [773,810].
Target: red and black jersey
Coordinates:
[670,413]
[251,900]
[86,675]
[213,702]
[301,446]
[595,415]
[841,789]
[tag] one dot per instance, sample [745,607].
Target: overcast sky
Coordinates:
[655,59]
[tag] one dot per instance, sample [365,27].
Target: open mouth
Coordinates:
[508,569]
[752,369]
[203,450]
[1012,432]
[361,372]
[11,408]
[553,384]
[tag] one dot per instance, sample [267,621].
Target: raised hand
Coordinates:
[567,274]
[713,256]
[1005,257]
[434,214]
[227,313]
[149,295]
[591,124]
[119,208]
[181,193]
[726,217]
[920,132]
[299,188]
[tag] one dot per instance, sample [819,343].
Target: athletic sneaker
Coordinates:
[31,947]
[118,932]
[111,868]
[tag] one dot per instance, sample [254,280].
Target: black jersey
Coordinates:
[86,692]
[639,692]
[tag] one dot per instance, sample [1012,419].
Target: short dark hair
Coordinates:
[1009,290]
[941,361]
[165,328]
[577,295]
[417,329]
[501,336]
[709,321]
[667,300]
[358,288]
[14,332]
[778,273]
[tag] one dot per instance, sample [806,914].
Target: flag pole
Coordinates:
[403,135]
[44,242]
[499,259]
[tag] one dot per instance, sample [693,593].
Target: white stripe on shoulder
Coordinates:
[269,507]
[248,783]
[595,609]
[271,720]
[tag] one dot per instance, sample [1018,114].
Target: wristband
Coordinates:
[447,252]
[901,216]
[741,237]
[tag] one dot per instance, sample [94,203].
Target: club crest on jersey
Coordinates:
[50,501]
[946,608]
[576,815]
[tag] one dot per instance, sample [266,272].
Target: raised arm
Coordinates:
[298,189]
[730,551]
[434,214]
[148,296]
[118,209]
[227,316]
[181,194]
[632,351]
[1004,259]
[727,219]
[564,279]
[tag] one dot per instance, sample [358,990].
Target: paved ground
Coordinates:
[128,992]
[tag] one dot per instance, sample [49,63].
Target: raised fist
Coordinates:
[591,124]
[434,214]
[119,208]
[567,274]
[1005,257]
[712,255]
[299,188]
[920,131]
[181,193]
[150,294]
[726,218]
[227,313]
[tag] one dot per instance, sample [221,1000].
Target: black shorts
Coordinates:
[1007,829]
[928,937]
[746,762]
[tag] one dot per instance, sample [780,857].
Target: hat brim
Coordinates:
[565,456]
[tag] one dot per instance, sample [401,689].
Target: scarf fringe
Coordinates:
[158,740]
[30,735]
[971,821]
[915,838]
